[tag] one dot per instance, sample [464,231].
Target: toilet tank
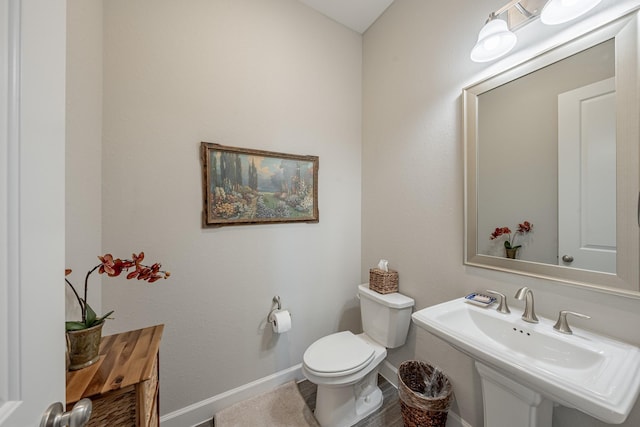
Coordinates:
[385,317]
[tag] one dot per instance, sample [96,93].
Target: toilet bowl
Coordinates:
[345,366]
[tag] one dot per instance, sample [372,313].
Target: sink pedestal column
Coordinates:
[510,404]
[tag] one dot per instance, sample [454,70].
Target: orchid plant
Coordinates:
[112,267]
[523,228]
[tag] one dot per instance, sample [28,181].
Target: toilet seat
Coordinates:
[338,354]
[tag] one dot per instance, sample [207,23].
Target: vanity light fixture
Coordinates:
[560,11]
[495,40]
[497,37]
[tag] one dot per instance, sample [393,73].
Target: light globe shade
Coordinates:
[494,41]
[561,11]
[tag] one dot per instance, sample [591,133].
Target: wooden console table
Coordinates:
[123,384]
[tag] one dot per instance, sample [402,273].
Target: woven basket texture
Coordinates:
[383,282]
[116,409]
[418,410]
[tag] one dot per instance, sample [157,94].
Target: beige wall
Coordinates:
[271,75]
[416,63]
[83,149]
[277,76]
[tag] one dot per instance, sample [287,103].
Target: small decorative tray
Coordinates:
[480,299]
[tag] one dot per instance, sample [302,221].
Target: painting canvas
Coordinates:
[245,186]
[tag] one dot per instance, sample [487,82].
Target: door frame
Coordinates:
[32,80]
[9,303]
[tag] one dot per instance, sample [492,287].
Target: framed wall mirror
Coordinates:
[555,141]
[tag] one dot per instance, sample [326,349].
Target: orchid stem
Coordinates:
[86,288]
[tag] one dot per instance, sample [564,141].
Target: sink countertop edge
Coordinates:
[542,381]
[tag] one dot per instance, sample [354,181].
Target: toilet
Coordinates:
[345,366]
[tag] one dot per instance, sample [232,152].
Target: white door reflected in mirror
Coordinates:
[587,177]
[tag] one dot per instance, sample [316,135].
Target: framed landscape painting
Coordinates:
[244,186]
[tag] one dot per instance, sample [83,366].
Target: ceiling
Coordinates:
[355,14]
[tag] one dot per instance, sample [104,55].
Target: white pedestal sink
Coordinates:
[526,367]
[510,404]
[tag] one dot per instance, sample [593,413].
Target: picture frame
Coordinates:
[244,186]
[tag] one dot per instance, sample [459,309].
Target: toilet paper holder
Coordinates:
[275,307]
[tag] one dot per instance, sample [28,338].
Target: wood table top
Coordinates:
[126,359]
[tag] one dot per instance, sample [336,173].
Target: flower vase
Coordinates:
[84,346]
[511,252]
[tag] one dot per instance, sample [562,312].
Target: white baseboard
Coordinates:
[454,420]
[203,411]
[389,372]
[200,412]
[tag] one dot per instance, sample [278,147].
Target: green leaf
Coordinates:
[101,319]
[91,316]
[507,244]
[91,320]
[74,326]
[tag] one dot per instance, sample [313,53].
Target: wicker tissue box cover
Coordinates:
[383,282]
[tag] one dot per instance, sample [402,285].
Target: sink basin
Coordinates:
[592,373]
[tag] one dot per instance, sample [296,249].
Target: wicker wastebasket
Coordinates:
[425,395]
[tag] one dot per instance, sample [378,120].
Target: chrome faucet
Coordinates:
[529,314]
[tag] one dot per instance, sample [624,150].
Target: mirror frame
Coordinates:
[625,31]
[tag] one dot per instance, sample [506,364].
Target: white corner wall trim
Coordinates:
[204,410]
[454,420]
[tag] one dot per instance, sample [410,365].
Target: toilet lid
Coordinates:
[341,353]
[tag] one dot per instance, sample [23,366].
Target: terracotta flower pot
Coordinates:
[84,347]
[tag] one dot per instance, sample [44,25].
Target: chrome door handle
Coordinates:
[567,258]
[78,416]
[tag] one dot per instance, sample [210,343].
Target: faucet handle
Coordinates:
[562,325]
[502,305]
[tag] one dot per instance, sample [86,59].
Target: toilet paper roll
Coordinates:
[281,321]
